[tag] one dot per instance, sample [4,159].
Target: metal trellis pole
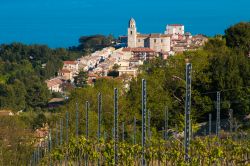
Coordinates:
[99,115]
[77,121]
[87,119]
[61,132]
[144,98]
[116,125]
[149,130]
[123,131]
[99,121]
[87,129]
[67,137]
[187,110]
[134,130]
[231,120]
[218,114]
[166,124]
[210,124]
[57,142]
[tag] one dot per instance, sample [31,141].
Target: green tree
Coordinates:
[81,79]
[238,36]
[7,97]
[39,121]
[94,42]
[15,141]
[20,94]
[37,92]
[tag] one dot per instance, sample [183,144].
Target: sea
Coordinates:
[60,23]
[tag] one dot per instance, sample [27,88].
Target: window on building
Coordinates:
[155,40]
[131,32]
[139,40]
[162,40]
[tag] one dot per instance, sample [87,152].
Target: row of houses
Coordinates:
[66,74]
[71,69]
[100,63]
[187,42]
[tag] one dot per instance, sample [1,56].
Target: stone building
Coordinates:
[156,42]
[72,66]
[175,29]
[54,85]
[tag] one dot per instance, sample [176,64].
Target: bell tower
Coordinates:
[132,33]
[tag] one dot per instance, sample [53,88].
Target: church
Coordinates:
[157,42]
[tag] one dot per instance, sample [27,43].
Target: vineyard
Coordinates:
[203,151]
[192,108]
[214,143]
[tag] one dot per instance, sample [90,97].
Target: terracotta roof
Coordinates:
[199,36]
[166,35]
[106,77]
[142,35]
[6,113]
[92,75]
[158,35]
[154,35]
[70,62]
[41,133]
[177,40]
[53,82]
[64,71]
[53,100]
[138,49]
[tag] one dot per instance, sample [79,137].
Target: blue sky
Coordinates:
[61,22]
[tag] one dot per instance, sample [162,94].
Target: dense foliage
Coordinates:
[215,68]
[15,141]
[238,36]
[221,65]
[81,79]
[203,151]
[23,70]
[91,43]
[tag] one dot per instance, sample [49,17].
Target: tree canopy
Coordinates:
[92,43]
[238,36]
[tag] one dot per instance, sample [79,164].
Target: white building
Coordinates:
[71,65]
[175,29]
[54,85]
[66,74]
[128,71]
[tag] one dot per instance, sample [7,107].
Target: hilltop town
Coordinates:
[56,100]
[126,60]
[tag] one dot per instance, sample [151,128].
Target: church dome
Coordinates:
[131,23]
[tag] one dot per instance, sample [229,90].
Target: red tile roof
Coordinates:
[142,35]
[70,62]
[41,133]
[92,75]
[54,100]
[158,35]
[166,35]
[64,71]
[53,82]
[138,49]
[155,35]
[6,113]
